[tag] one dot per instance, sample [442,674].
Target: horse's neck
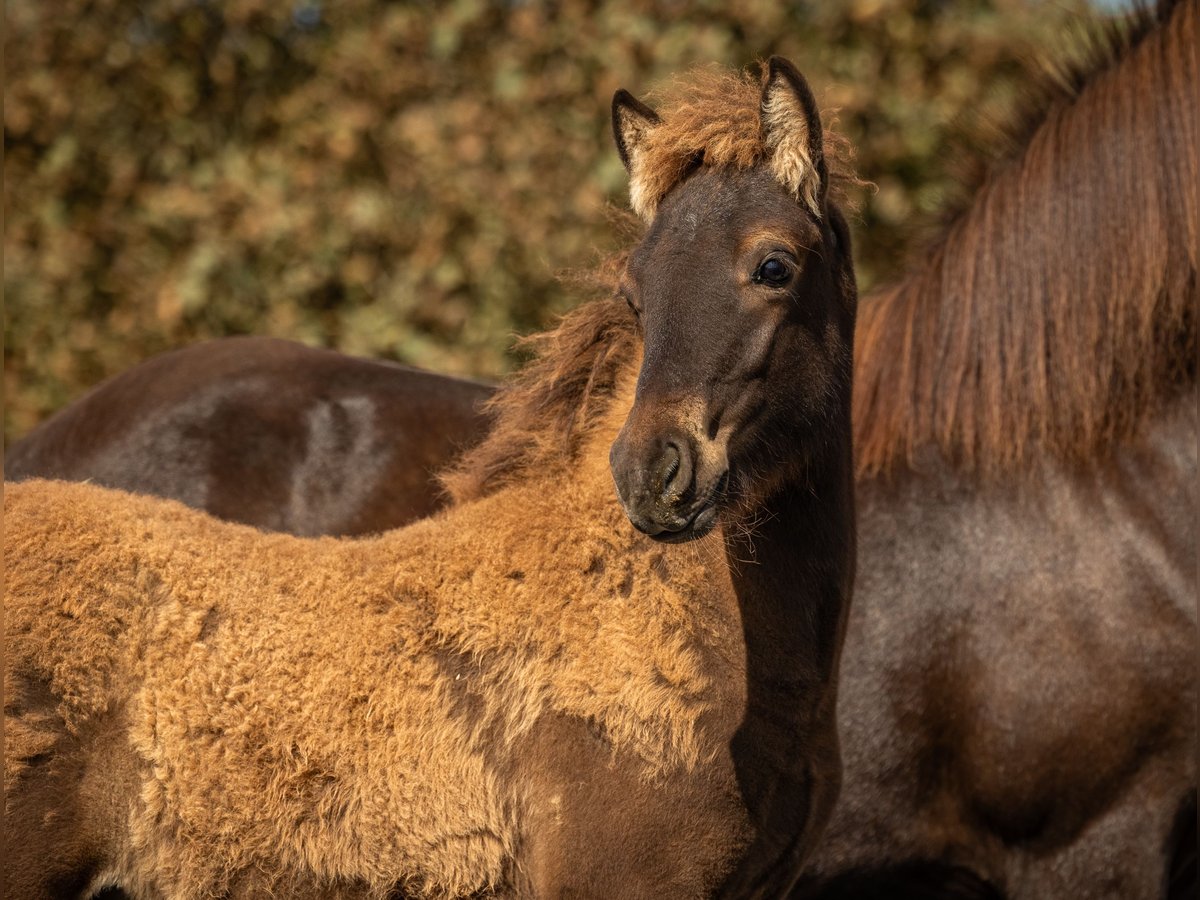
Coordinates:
[791,562]
[1044,318]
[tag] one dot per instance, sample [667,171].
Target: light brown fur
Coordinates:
[254,671]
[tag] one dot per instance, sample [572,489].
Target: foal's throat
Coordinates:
[792,569]
[791,561]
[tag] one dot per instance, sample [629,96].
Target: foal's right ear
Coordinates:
[632,120]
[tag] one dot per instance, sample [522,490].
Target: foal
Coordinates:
[523,696]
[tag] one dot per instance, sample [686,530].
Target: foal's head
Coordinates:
[744,291]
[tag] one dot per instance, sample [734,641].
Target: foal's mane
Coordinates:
[709,119]
[1038,323]
[542,412]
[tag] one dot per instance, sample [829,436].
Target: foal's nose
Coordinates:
[654,480]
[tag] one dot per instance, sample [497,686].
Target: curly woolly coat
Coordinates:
[256,676]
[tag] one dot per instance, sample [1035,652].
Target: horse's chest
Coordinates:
[596,822]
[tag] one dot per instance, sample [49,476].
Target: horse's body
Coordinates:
[1021,684]
[268,433]
[521,696]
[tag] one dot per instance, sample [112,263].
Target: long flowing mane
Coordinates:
[710,118]
[1059,310]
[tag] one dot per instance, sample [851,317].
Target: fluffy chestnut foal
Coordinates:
[528,695]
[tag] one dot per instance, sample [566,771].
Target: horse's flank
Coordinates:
[1073,349]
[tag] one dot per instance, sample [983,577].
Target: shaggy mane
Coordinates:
[710,118]
[542,412]
[1035,325]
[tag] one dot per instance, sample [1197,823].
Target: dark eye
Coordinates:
[773,272]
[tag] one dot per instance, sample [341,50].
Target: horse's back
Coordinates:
[266,432]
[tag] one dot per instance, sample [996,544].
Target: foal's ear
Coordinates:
[632,120]
[791,126]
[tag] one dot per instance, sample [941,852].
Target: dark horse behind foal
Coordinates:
[524,695]
[266,432]
[1021,682]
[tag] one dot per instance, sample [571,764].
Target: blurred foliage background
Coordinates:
[407,180]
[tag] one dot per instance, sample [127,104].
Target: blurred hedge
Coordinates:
[405,180]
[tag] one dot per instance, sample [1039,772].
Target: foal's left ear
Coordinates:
[792,134]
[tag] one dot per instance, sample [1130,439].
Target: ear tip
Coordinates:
[626,105]
[781,65]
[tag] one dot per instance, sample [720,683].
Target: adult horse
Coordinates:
[1020,692]
[523,695]
[266,432]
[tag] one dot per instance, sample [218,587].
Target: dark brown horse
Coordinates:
[524,695]
[1016,690]
[266,432]
[1019,695]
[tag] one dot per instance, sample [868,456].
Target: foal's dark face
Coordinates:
[739,290]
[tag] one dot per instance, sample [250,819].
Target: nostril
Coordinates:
[671,465]
[714,425]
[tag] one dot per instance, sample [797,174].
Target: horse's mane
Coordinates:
[542,412]
[1038,323]
[710,118]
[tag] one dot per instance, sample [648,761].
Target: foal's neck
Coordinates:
[792,566]
[791,561]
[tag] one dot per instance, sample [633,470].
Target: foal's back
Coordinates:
[211,705]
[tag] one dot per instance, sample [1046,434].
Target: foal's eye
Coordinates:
[773,272]
[636,312]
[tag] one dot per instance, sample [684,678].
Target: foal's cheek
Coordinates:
[760,343]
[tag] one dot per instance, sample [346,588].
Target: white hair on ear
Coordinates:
[786,138]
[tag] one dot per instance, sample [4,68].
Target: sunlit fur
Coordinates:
[1064,354]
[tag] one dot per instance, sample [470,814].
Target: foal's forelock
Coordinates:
[716,118]
[1060,310]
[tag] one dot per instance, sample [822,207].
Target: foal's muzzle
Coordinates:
[660,482]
